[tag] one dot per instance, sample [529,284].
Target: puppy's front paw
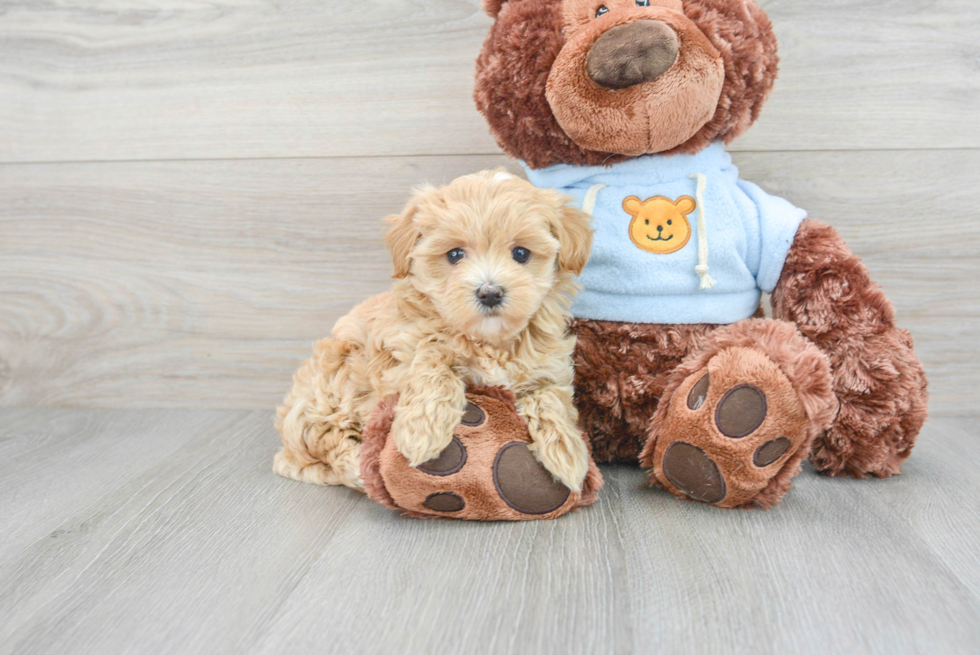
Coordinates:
[421,433]
[562,450]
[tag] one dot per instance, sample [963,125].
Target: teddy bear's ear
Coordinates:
[492,7]
[685,205]
[742,33]
[403,234]
[632,205]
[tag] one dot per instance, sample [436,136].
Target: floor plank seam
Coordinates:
[164,160]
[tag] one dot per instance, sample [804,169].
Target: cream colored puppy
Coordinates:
[484,271]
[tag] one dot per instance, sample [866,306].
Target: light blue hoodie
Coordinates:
[738,240]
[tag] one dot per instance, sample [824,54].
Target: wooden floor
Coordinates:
[165,531]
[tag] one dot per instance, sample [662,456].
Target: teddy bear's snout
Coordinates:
[631,54]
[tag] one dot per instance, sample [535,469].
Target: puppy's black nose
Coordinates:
[490,295]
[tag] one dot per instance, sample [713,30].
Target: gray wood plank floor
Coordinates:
[165,531]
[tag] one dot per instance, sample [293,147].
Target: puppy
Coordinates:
[484,273]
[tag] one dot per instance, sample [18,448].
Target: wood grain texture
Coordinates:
[191,79]
[71,453]
[192,555]
[203,284]
[208,552]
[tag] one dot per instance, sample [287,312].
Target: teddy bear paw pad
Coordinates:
[450,460]
[444,501]
[690,470]
[524,484]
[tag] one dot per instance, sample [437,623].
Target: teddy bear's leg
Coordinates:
[827,292]
[739,415]
[621,370]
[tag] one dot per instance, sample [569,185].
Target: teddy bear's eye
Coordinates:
[647,221]
[455,255]
[642,3]
[601,10]
[520,255]
[670,222]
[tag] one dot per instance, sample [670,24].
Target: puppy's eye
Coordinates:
[601,11]
[520,255]
[642,3]
[455,255]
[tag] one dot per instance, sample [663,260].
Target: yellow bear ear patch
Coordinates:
[659,224]
[632,205]
[685,204]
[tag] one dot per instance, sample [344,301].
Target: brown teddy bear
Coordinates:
[626,105]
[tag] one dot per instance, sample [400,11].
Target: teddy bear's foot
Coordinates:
[730,429]
[487,472]
[739,415]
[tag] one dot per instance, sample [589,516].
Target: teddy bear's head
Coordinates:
[588,82]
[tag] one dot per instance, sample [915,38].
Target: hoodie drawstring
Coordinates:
[702,268]
[588,203]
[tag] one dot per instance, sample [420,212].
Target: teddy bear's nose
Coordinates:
[660,228]
[631,54]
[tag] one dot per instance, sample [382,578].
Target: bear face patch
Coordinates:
[659,224]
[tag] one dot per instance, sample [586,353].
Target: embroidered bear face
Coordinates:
[660,224]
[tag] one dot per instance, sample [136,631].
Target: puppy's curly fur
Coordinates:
[430,336]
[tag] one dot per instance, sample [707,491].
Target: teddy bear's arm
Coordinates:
[827,292]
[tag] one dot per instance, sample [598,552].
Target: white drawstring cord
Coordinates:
[702,268]
[588,203]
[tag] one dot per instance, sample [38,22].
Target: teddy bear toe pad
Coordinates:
[487,472]
[524,484]
[730,429]
[449,460]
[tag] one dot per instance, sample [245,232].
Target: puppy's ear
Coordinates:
[402,236]
[574,234]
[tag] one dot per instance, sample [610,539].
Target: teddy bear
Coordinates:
[626,106]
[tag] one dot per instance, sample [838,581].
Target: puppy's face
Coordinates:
[487,250]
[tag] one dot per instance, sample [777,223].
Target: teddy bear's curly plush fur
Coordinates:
[833,376]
